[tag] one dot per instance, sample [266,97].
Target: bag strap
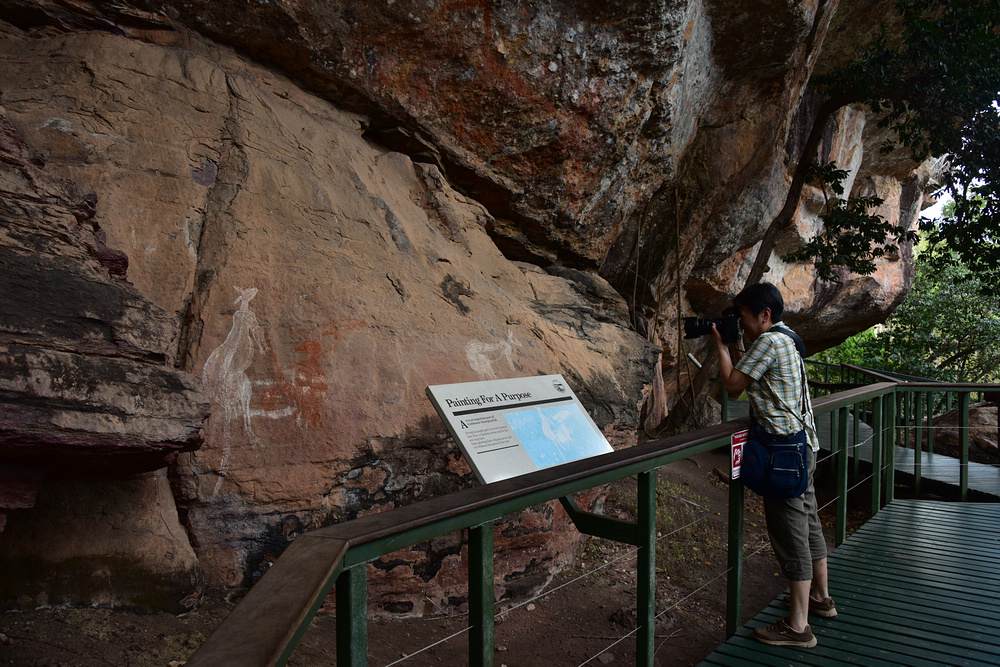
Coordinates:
[800,347]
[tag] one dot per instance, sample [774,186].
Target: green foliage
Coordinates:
[948,329]
[929,75]
[969,231]
[933,77]
[855,350]
[852,237]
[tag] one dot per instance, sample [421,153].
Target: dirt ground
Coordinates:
[586,616]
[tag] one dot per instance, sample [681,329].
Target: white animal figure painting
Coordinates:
[225,379]
[482,355]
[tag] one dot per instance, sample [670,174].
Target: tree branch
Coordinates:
[784,218]
[955,357]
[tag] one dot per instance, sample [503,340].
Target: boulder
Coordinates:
[114,543]
[984,434]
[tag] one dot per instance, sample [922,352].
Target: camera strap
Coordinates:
[797,339]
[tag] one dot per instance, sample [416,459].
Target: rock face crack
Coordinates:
[217,225]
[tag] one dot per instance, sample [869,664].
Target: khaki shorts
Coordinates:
[795,531]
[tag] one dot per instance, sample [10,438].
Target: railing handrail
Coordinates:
[889,376]
[953,386]
[280,605]
[230,644]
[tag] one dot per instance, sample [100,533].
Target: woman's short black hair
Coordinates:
[759,296]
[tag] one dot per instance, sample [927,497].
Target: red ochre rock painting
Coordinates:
[307,389]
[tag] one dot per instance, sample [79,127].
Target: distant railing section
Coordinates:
[920,403]
[268,623]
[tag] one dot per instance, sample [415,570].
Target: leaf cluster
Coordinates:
[853,237]
[930,76]
[933,78]
[969,231]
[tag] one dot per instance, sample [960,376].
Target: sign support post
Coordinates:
[734,601]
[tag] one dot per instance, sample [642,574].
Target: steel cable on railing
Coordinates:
[870,440]
[679,602]
[725,572]
[631,553]
[613,561]
[970,466]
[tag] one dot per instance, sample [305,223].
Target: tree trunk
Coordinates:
[784,218]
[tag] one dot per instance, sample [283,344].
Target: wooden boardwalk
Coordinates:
[919,584]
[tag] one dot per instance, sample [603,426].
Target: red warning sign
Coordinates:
[736,453]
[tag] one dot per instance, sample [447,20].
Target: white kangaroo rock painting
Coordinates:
[482,355]
[225,379]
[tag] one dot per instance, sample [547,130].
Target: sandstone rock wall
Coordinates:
[337,204]
[87,391]
[321,283]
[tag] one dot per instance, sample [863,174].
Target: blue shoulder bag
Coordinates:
[777,466]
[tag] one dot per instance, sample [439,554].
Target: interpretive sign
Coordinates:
[511,427]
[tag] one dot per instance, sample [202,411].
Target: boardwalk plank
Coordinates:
[919,584]
[934,544]
[917,647]
[860,598]
[935,576]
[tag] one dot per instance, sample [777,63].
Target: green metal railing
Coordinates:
[918,402]
[267,624]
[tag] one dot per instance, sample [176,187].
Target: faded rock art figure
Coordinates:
[307,388]
[482,355]
[225,379]
[311,383]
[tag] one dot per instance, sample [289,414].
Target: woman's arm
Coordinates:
[733,381]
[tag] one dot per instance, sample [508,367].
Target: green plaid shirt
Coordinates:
[776,395]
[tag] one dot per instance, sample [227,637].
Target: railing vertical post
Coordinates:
[352,616]
[833,431]
[876,455]
[889,444]
[917,454]
[918,420]
[900,415]
[734,588]
[930,422]
[841,529]
[907,418]
[725,405]
[646,570]
[856,435]
[481,599]
[963,435]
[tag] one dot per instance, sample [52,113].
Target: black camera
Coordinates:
[728,325]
